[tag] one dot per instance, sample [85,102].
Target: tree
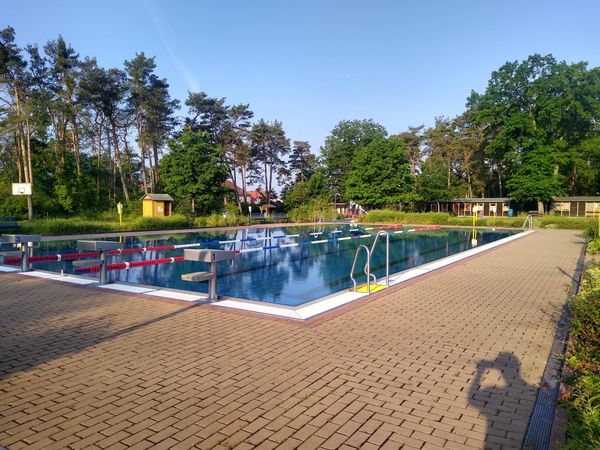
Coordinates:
[106,90]
[412,141]
[62,78]
[153,111]
[380,175]
[536,113]
[235,151]
[441,143]
[193,173]
[15,84]
[302,162]
[341,145]
[139,72]
[269,145]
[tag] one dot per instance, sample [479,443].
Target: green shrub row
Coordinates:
[588,225]
[108,223]
[583,357]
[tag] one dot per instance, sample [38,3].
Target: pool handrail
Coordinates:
[528,224]
[367,268]
[387,254]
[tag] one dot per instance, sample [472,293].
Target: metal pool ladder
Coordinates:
[367,268]
[528,224]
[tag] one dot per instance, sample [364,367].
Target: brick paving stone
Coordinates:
[451,360]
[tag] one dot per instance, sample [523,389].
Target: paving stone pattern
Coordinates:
[451,361]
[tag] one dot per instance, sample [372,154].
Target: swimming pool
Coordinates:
[289,276]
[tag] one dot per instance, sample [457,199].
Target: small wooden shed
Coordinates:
[157,205]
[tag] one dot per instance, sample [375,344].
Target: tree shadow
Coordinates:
[27,340]
[504,398]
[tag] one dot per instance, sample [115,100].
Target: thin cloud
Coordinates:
[187,74]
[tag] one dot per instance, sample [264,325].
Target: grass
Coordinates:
[390,216]
[583,358]
[108,223]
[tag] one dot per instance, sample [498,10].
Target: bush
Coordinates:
[588,225]
[312,212]
[567,223]
[390,216]
[583,357]
[583,412]
[221,220]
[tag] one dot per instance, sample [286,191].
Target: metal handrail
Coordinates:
[528,223]
[387,254]
[367,267]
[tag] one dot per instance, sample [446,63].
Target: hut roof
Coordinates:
[158,197]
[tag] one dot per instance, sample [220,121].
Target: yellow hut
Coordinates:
[157,205]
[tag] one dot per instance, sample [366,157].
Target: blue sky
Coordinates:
[313,63]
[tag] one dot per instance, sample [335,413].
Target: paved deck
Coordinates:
[451,361]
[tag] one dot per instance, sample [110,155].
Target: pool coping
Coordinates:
[304,312]
[330,302]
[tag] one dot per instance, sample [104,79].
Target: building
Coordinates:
[575,206]
[466,206]
[157,205]
[251,197]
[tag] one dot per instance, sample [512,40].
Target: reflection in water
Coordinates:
[289,276]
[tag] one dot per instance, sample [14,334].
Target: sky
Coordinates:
[313,63]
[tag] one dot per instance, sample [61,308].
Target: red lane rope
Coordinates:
[132,264]
[385,227]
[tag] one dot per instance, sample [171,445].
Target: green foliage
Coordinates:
[379,174]
[77,225]
[341,145]
[222,220]
[313,211]
[303,192]
[583,402]
[534,179]
[391,216]
[193,173]
[566,223]
[583,410]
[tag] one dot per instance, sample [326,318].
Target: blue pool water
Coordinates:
[287,276]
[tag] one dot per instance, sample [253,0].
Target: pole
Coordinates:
[120,211]
[102,267]
[24,256]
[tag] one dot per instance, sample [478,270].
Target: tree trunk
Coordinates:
[118,160]
[155,173]
[127,157]
[142,143]
[244,186]
[499,172]
[75,138]
[110,167]
[233,174]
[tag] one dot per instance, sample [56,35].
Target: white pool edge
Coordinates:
[330,302]
[301,312]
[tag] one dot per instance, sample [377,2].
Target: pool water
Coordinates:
[288,276]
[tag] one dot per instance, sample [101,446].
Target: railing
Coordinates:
[387,253]
[367,268]
[528,224]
